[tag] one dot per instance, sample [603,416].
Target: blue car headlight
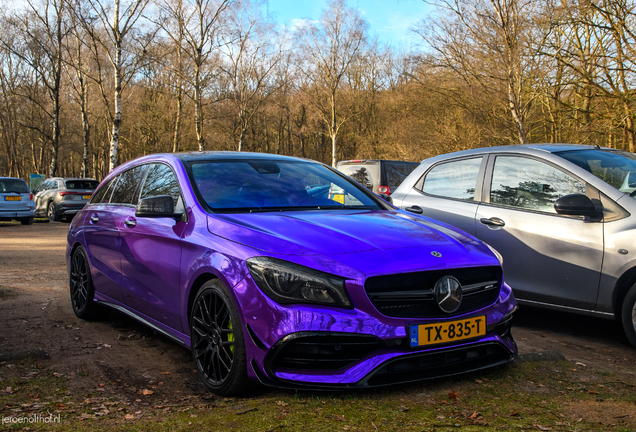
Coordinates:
[289,283]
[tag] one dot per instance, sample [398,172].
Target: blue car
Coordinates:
[233,256]
[16,201]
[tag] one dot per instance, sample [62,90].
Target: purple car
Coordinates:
[254,263]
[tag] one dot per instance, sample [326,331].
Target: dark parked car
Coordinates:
[16,201]
[230,255]
[59,198]
[562,216]
[378,175]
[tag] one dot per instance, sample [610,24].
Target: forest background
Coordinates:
[86,85]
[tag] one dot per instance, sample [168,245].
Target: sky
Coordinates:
[390,20]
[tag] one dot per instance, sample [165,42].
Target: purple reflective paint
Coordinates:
[381,262]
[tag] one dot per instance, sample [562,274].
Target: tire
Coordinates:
[82,288]
[51,213]
[628,315]
[26,221]
[218,343]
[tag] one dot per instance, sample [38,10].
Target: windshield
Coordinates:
[13,186]
[263,185]
[615,167]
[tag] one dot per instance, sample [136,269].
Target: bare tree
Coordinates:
[331,47]
[113,28]
[491,43]
[252,49]
[41,29]
[194,26]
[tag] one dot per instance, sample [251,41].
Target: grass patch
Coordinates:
[522,396]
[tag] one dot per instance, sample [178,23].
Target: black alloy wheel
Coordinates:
[82,289]
[218,346]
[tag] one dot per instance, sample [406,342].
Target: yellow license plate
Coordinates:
[338,198]
[13,198]
[86,197]
[451,331]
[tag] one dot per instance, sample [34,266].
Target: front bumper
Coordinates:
[331,348]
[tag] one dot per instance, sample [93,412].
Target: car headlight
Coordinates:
[288,283]
[497,254]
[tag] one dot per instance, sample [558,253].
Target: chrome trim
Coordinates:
[142,320]
[475,287]
[608,315]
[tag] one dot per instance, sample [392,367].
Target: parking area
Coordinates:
[122,359]
[36,315]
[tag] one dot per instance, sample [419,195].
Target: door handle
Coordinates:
[494,221]
[414,209]
[94,218]
[130,223]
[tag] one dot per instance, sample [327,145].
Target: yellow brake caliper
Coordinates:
[230,337]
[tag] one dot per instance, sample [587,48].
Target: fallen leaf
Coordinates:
[581,364]
[146,392]
[474,415]
[164,373]
[515,414]
[544,428]
[478,381]
[452,394]
[129,416]
[281,403]
[101,385]
[403,408]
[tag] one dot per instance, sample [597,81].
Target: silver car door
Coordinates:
[449,192]
[548,258]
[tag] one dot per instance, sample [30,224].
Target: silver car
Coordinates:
[563,217]
[16,201]
[58,198]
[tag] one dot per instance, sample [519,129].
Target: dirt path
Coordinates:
[120,358]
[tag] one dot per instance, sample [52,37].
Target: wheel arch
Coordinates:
[195,288]
[623,284]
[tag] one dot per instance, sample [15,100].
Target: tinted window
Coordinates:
[397,172]
[457,179]
[126,191]
[363,174]
[103,193]
[11,185]
[262,184]
[162,181]
[530,184]
[81,184]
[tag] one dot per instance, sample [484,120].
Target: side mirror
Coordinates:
[157,206]
[576,205]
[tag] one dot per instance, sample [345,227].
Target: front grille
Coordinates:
[410,295]
[324,352]
[440,364]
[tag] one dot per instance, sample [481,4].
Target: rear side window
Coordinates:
[13,185]
[81,184]
[161,180]
[367,175]
[397,172]
[127,189]
[102,196]
[456,179]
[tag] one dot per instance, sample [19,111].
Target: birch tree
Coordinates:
[113,28]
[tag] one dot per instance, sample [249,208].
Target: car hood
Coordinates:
[334,232]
